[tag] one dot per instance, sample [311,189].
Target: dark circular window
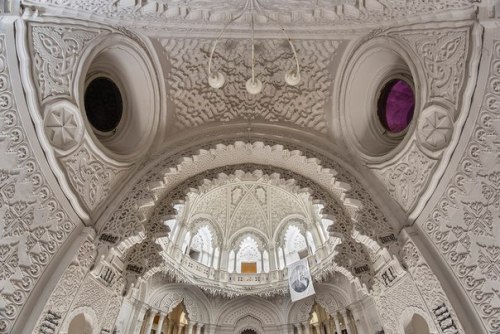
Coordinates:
[395,105]
[103,104]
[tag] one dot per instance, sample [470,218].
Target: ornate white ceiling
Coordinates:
[196,103]
[250,202]
[186,15]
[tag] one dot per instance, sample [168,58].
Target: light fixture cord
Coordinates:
[287,37]
[253,45]
[220,36]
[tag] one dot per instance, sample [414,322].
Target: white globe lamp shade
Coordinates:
[292,78]
[254,86]
[216,80]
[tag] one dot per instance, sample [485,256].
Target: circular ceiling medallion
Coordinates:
[62,124]
[435,127]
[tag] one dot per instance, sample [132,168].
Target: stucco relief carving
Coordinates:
[434,128]
[67,287]
[351,256]
[407,177]
[192,13]
[253,309]
[94,295]
[129,215]
[32,222]
[197,103]
[91,176]
[397,298]
[171,299]
[63,125]
[56,50]
[462,224]
[268,199]
[428,285]
[444,55]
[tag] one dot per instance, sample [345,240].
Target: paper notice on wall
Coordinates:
[299,280]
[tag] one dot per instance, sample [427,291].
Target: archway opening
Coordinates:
[80,325]
[417,325]
[320,320]
[178,319]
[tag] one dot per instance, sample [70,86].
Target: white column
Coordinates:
[198,328]
[284,256]
[223,260]
[307,327]
[235,261]
[327,325]
[170,328]
[272,257]
[309,250]
[346,321]
[149,325]
[190,327]
[211,261]
[140,319]
[159,329]
[337,324]
[299,328]
[262,261]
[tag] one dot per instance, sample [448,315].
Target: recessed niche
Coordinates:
[395,106]
[103,105]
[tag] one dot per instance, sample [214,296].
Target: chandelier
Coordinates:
[253,85]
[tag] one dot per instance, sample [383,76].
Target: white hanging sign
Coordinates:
[299,280]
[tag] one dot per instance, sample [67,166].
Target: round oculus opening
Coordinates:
[396,105]
[103,104]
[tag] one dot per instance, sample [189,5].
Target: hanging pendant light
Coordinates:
[253,85]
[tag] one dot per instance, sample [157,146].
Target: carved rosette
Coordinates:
[434,128]
[63,125]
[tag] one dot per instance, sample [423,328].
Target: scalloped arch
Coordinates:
[168,297]
[164,178]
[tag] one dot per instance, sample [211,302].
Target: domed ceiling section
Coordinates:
[183,33]
[215,221]
[249,201]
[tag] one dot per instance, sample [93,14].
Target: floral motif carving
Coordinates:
[444,55]
[91,177]
[32,222]
[469,207]
[56,50]
[406,179]
[489,261]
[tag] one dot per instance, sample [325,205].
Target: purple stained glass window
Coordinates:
[396,105]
